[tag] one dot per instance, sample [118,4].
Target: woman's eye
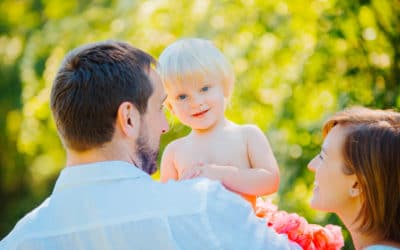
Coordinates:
[205,88]
[182,97]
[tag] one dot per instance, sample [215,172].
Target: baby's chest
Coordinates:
[220,153]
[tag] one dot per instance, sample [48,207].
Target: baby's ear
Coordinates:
[226,92]
[227,88]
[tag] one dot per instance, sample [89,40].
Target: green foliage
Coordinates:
[296,62]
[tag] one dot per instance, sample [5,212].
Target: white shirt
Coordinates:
[380,247]
[114,205]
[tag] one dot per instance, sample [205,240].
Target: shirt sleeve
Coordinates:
[235,225]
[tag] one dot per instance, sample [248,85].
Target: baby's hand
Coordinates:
[211,171]
[196,170]
[190,173]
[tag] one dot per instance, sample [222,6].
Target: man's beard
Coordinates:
[147,155]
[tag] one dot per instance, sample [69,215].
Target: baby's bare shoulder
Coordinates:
[178,144]
[245,129]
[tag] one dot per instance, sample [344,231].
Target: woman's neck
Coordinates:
[360,240]
[363,241]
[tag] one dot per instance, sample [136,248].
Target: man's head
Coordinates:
[106,87]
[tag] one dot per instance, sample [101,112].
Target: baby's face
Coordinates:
[197,105]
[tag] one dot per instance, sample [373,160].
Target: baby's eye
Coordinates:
[182,97]
[205,88]
[320,156]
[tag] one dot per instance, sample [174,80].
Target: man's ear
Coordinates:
[128,119]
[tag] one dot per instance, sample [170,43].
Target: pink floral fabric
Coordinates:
[308,236]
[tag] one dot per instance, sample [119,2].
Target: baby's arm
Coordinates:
[167,169]
[263,176]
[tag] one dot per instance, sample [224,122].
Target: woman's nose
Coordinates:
[311,165]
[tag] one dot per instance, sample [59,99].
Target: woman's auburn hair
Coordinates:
[371,152]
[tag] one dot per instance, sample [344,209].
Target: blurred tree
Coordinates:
[296,63]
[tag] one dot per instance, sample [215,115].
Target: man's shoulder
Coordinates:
[24,226]
[199,193]
[201,187]
[209,191]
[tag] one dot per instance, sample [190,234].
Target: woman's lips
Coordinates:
[200,113]
[316,187]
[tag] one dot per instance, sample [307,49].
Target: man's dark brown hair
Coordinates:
[91,83]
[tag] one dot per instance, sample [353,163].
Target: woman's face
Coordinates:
[331,186]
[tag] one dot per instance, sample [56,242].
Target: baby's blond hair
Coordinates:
[197,61]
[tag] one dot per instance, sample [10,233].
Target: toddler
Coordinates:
[198,81]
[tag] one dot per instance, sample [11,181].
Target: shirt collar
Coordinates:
[96,172]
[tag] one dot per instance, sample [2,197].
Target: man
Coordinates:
[107,103]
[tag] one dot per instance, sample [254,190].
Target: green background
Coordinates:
[296,63]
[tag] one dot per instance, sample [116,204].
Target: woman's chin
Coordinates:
[315,204]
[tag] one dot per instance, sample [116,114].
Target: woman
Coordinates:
[357,175]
